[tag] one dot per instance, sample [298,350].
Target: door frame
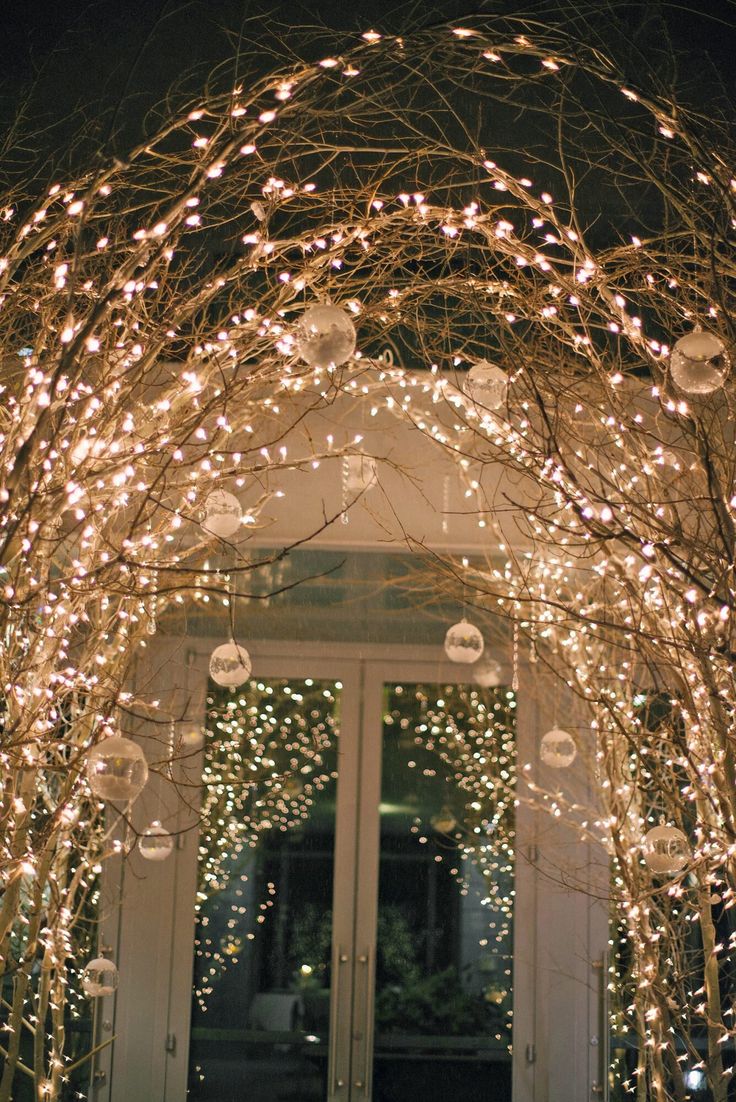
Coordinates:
[154,924]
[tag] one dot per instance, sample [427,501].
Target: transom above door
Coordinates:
[355,887]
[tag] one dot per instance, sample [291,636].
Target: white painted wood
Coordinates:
[571,921]
[559,926]
[527,1047]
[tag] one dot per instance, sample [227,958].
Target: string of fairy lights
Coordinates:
[155,404]
[262,775]
[270,755]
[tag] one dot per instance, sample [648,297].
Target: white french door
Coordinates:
[358,948]
[349,876]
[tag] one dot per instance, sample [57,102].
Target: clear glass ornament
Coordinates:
[666,850]
[699,363]
[230,665]
[100,977]
[293,785]
[155,843]
[325,336]
[444,822]
[463,643]
[487,673]
[487,385]
[117,769]
[222,514]
[191,737]
[558,748]
[359,474]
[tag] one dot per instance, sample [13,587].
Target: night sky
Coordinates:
[91,55]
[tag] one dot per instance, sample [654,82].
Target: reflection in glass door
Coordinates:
[260,1015]
[443,1004]
[354,939]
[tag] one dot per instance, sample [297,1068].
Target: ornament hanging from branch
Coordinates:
[100,977]
[557,748]
[230,665]
[464,643]
[444,822]
[665,850]
[117,769]
[222,514]
[487,673]
[325,336]
[155,843]
[699,363]
[487,385]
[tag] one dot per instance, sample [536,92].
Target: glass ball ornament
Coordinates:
[699,363]
[487,673]
[487,385]
[100,977]
[558,748]
[117,769]
[155,843]
[325,336]
[665,850]
[293,785]
[464,643]
[222,514]
[230,665]
[360,473]
[444,821]
[191,737]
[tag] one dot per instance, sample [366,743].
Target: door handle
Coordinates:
[364,1083]
[339,961]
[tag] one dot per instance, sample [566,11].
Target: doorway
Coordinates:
[355,887]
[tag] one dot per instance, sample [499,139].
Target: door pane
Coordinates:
[261,972]
[445,904]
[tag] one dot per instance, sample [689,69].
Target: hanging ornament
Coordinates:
[222,514]
[100,977]
[665,850]
[155,843]
[487,385]
[558,748]
[230,665]
[360,473]
[444,822]
[325,336]
[117,769]
[487,673]
[293,785]
[699,363]
[463,643]
[191,737]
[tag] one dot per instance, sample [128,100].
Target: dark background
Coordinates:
[114,59]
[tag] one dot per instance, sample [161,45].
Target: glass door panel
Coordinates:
[443,999]
[261,1006]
